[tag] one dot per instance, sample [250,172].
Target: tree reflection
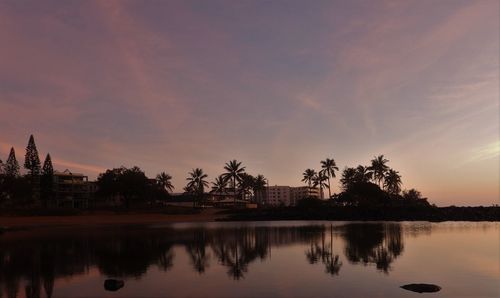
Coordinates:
[377,244]
[324,252]
[31,265]
[196,250]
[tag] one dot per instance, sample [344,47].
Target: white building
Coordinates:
[289,196]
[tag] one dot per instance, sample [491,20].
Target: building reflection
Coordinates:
[30,265]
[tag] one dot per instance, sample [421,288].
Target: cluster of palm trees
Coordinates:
[321,178]
[235,180]
[378,172]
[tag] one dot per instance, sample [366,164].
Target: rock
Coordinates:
[422,288]
[113,284]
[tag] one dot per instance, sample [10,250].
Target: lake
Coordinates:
[254,259]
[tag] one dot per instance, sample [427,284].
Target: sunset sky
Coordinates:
[280,85]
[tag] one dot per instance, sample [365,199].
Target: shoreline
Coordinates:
[97,219]
[109,218]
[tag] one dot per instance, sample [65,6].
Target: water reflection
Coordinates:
[377,244]
[34,263]
[324,252]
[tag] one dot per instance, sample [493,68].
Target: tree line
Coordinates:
[132,185]
[128,185]
[362,185]
[32,188]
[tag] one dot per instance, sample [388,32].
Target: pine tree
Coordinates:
[32,161]
[1,167]
[11,167]
[47,166]
[47,180]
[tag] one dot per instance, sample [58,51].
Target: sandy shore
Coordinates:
[105,218]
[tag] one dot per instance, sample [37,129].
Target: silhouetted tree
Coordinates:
[412,194]
[308,177]
[246,185]
[329,167]
[47,179]
[392,182]
[219,185]
[363,174]
[348,178]
[259,187]
[379,168]
[32,161]
[129,184]
[164,181]
[234,170]
[134,184]
[32,164]
[11,167]
[320,180]
[197,183]
[352,176]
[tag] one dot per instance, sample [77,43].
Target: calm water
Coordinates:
[264,259]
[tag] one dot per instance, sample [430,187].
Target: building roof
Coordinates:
[67,173]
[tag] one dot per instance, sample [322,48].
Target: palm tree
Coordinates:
[379,168]
[392,182]
[234,170]
[219,185]
[308,177]
[363,174]
[348,178]
[329,167]
[164,181]
[320,180]
[197,182]
[246,185]
[259,186]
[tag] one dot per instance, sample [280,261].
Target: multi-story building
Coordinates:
[289,196]
[70,190]
[301,192]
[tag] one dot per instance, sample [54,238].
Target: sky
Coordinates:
[279,85]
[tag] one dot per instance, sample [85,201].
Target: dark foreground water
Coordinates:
[254,259]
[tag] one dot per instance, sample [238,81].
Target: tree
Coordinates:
[196,182]
[47,169]
[352,176]
[348,178]
[234,170]
[308,177]
[32,161]
[412,194]
[1,167]
[219,185]
[32,164]
[163,180]
[47,179]
[259,186]
[379,168]
[329,167]
[129,184]
[134,185]
[246,185]
[11,167]
[392,182]
[363,174]
[320,180]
